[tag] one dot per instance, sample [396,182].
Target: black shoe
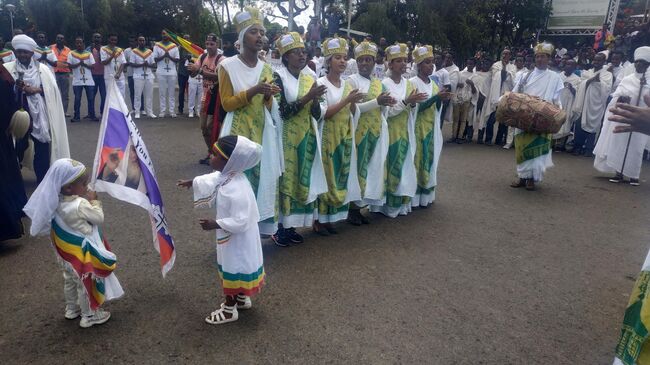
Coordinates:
[364,219]
[330,228]
[204,161]
[293,236]
[280,239]
[88,117]
[354,217]
[617,179]
[459,141]
[74,120]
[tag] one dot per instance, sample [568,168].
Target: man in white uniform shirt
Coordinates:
[166,56]
[80,62]
[142,63]
[112,57]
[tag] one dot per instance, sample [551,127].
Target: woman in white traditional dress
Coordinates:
[428,136]
[239,249]
[401,182]
[303,178]
[246,89]
[337,126]
[371,135]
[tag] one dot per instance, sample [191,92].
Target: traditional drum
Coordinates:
[529,113]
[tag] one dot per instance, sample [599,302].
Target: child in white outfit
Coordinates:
[63,205]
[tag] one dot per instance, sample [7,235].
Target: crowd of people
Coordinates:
[302,135]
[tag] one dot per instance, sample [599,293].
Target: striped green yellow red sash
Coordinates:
[91,265]
[142,53]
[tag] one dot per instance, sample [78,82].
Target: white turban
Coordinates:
[23,42]
[642,53]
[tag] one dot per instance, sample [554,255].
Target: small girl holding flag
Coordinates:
[239,249]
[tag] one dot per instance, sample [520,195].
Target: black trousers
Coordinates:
[584,141]
[182,83]
[502,130]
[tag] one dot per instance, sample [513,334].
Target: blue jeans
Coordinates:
[90,93]
[100,85]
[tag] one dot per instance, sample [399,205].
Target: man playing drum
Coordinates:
[532,150]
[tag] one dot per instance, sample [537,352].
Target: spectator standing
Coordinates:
[62,70]
[97,71]
[183,76]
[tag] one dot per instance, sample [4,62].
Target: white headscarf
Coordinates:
[240,38]
[43,203]
[642,53]
[23,42]
[246,155]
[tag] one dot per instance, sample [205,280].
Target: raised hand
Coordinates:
[208,224]
[184,183]
[415,97]
[316,92]
[355,96]
[384,99]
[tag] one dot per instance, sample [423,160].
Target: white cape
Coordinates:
[59,147]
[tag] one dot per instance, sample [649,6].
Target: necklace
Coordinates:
[247,63]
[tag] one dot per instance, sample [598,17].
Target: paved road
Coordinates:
[489,275]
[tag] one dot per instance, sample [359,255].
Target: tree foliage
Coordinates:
[124,17]
[464,25]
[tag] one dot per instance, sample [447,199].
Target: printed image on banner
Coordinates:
[124,170]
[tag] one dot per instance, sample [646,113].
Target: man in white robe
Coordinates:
[616,68]
[622,153]
[454,81]
[519,64]
[440,76]
[462,102]
[589,105]
[482,81]
[40,96]
[567,96]
[533,151]
[503,76]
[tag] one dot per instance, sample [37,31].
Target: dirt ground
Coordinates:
[488,275]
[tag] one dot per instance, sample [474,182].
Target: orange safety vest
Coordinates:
[61,58]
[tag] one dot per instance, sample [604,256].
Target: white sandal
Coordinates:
[248,303]
[218,316]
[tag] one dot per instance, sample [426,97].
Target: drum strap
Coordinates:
[523,83]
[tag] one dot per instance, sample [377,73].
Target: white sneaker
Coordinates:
[161,115]
[72,313]
[507,146]
[191,115]
[173,115]
[100,317]
[137,115]
[144,112]
[152,116]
